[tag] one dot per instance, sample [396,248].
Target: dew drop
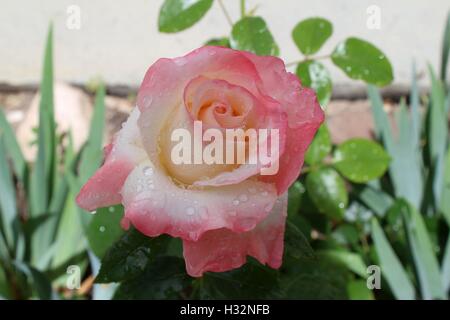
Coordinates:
[190,211]
[341,205]
[102,228]
[232,213]
[236,202]
[267,208]
[94,212]
[264,193]
[243,197]
[203,213]
[111,209]
[193,235]
[148,171]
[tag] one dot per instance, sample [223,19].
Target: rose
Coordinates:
[222,212]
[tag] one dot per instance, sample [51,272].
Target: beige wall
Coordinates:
[118,39]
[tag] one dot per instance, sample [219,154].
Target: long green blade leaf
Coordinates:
[422,250]
[392,269]
[13,149]
[8,207]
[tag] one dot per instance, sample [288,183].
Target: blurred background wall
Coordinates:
[119,39]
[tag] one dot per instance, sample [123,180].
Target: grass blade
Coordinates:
[437,134]
[44,171]
[42,176]
[392,269]
[92,153]
[8,207]
[445,269]
[445,50]
[426,263]
[13,149]
[404,151]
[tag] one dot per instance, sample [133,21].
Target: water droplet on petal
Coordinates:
[236,202]
[148,171]
[232,213]
[243,197]
[190,211]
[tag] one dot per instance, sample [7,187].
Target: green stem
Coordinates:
[226,14]
[242,8]
[307,58]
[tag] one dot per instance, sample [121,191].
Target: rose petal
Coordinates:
[161,93]
[222,250]
[103,188]
[304,115]
[154,204]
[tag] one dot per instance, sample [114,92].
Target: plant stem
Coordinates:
[226,14]
[307,58]
[242,8]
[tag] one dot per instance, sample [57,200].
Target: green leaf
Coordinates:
[445,196]
[92,154]
[8,207]
[129,256]
[392,269]
[310,34]
[422,250]
[320,146]
[375,199]
[4,287]
[346,234]
[295,194]
[296,243]
[104,229]
[327,190]
[445,49]
[321,279]
[445,269]
[164,278]
[405,167]
[251,281]
[351,261]
[178,15]
[69,240]
[12,148]
[314,75]
[251,34]
[361,160]
[219,42]
[42,177]
[437,134]
[39,282]
[357,290]
[361,60]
